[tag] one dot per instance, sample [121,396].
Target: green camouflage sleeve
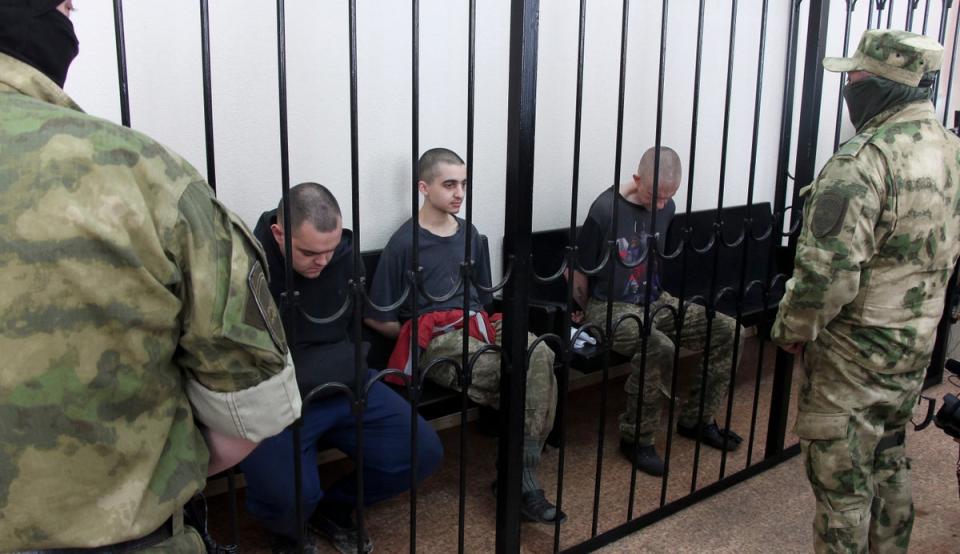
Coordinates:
[232,339]
[838,235]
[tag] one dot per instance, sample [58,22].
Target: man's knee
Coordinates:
[724,331]
[656,357]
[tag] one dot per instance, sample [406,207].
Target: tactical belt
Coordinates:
[161,534]
[890,440]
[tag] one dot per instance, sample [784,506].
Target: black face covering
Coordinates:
[38,34]
[868,97]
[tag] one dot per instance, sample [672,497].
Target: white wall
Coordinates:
[163,53]
[834,47]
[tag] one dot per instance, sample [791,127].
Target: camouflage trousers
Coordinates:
[848,419]
[659,361]
[541,399]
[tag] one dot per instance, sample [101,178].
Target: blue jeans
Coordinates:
[269,470]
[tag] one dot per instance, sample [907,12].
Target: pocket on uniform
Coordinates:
[845,519]
[830,466]
[814,426]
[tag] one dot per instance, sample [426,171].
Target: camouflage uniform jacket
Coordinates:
[131,304]
[878,244]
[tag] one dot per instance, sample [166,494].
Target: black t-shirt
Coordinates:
[440,258]
[633,231]
[323,352]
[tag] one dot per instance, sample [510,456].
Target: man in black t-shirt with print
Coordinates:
[629,287]
[440,323]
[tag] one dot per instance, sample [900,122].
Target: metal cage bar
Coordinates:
[521,127]
[121,63]
[570,261]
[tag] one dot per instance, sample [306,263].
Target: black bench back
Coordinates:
[703,270]
[548,249]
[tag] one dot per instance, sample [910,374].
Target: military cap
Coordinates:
[896,55]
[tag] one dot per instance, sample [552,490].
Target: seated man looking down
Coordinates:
[324,353]
[442,240]
[628,289]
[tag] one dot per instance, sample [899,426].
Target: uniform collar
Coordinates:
[918,109]
[25,79]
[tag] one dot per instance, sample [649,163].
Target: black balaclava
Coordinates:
[35,32]
[868,97]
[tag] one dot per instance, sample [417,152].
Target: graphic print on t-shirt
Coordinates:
[631,237]
[632,249]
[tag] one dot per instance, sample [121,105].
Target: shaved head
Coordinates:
[313,203]
[671,170]
[431,159]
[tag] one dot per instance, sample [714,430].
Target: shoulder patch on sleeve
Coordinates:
[829,210]
[260,311]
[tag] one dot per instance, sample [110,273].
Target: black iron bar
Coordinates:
[926,16]
[851,4]
[941,38]
[466,370]
[786,112]
[416,387]
[521,127]
[881,5]
[953,62]
[121,63]
[685,245]
[911,11]
[653,247]
[207,93]
[612,260]
[870,13]
[212,180]
[291,297]
[944,14]
[806,159]
[748,236]
[890,14]
[357,290]
[563,381]
[780,194]
[719,242]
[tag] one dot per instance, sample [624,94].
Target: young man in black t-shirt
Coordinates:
[630,286]
[440,323]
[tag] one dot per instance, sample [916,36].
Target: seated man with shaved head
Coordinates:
[630,285]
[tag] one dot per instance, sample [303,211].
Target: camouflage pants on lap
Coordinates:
[849,422]
[541,399]
[659,361]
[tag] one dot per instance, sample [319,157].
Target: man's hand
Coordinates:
[389,329]
[580,287]
[225,451]
[796,348]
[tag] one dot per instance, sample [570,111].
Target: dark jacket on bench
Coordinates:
[322,353]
